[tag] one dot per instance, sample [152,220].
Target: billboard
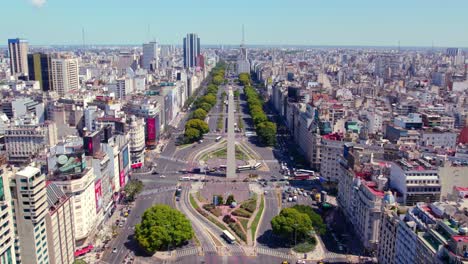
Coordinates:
[121,170]
[98,194]
[70,163]
[92,143]
[125,157]
[151,129]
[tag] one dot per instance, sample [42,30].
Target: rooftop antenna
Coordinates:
[243,36]
[83,37]
[398,46]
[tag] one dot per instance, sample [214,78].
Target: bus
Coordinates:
[244,168]
[185,178]
[301,171]
[228,236]
[218,138]
[256,166]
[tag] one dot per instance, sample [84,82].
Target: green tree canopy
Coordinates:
[213,89]
[218,79]
[317,221]
[162,227]
[205,106]
[291,223]
[244,79]
[267,133]
[210,99]
[133,188]
[192,134]
[197,124]
[199,114]
[230,199]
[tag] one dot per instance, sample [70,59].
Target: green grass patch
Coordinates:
[212,209]
[244,222]
[249,205]
[256,220]
[306,246]
[193,202]
[238,230]
[242,213]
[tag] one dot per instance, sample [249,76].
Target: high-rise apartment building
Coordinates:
[7,250]
[191,50]
[65,75]
[59,223]
[30,203]
[40,69]
[150,56]
[137,141]
[18,50]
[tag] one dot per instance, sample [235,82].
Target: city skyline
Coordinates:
[360,23]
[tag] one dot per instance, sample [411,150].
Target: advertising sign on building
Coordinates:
[70,163]
[98,194]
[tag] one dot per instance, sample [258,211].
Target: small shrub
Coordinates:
[238,230]
[242,213]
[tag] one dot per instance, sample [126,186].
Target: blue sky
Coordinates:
[304,22]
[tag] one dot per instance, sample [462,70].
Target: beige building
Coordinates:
[59,223]
[80,188]
[18,50]
[65,75]
[26,138]
[30,203]
[7,232]
[137,141]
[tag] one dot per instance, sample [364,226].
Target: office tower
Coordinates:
[150,58]
[65,75]
[25,138]
[59,226]
[18,49]
[7,251]
[191,50]
[40,69]
[30,203]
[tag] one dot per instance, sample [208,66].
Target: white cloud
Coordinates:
[38,3]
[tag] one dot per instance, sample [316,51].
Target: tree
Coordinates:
[220,199]
[317,221]
[199,114]
[230,199]
[205,106]
[210,99]
[162,227]
[197,124]
[244,79]
[212,89]
[218,79]
[267,133]
[192,134]
[133,188]
[291,224]
[236,94]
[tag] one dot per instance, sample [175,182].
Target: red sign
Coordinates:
[122,179]
[151,128]
[137,165]
[98,195]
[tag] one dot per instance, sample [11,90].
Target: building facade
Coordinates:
[191,46]
[65,75]
[18,50]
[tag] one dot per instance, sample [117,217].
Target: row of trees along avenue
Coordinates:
[266,130]
[196,127]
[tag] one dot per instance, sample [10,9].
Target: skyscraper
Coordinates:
[191,50]
[40,69]
[65,75]
[18,50]
[150,56]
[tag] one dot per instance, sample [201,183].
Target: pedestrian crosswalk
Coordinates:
[155,191]
[172,159]
[333,255]
[186,252]
[235,250]
[274,253]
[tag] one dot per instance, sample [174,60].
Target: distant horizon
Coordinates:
[297,22]
[247,45]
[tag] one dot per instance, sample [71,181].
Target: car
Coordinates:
[266,192]
[114,250]
[177,198]
[162,176]
[305,194]
[121,224]
[285,262]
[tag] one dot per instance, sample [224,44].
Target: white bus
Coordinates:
[218,138]
[228,236]
[256,166]
[244,168]
[185,178]
[305,172]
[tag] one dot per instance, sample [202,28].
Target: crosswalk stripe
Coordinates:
[274,253]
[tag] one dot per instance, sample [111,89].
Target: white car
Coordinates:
[162,176]
[114,250]
[266,192]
